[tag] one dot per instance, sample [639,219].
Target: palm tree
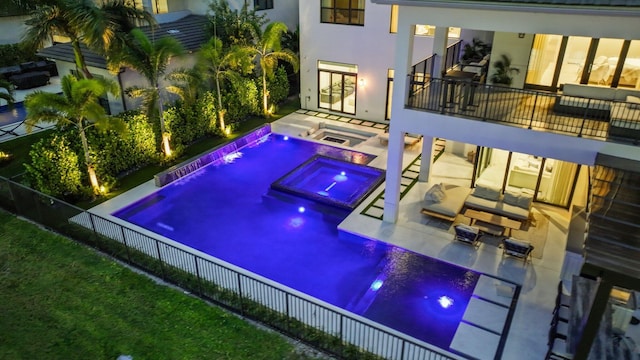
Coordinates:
[7,94]
[150,59]
[225,64]
[83,22]
[77,106]
[186,83]
[269,49]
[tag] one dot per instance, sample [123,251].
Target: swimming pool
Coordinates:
[227,210]
[11,116]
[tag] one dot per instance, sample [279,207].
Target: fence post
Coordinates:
[195,261]
[286,299]
[93,227]
[164,276]
[240,294]
[124,241]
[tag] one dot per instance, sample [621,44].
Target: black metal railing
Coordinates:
[306,319]
[536,110]
[452,55]
[421,72]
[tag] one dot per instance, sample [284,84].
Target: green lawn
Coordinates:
[19,148]
[61,300]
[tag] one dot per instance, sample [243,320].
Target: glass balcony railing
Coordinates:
[459,95]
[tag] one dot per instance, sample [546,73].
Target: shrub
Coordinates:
[15,54]
[241,102]
[55,168]
[278,86]
[206,106]
[185,123]
[115,153]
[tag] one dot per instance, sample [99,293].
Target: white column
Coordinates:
[394,175]
[440,39]
[426,159]
[395,149]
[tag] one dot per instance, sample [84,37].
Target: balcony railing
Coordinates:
[452,56]
[541,111]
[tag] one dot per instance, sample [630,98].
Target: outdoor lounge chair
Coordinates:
[517,248]
[467,234]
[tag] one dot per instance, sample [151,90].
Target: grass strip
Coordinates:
[61,300]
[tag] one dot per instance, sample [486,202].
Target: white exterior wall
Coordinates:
[11,29]
[517,48]
[506,40]
[285,11]
[115,102]
[131,78]
[371,47]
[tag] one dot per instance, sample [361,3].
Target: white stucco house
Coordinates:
[564,131]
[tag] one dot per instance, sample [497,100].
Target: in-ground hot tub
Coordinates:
[331,181]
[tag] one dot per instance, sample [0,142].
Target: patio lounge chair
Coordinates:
[467,234]
[517,248]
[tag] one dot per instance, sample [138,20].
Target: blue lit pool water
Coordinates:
[229,212]
[12,115]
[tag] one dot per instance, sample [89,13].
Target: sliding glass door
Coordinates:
[549,180]
[556,60]
[337,87]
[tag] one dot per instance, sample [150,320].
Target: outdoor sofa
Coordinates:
[444,201]
[512,204]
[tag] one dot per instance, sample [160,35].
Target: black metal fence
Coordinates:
[312,322]
[542,111]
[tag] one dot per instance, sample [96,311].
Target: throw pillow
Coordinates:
[633,102]
[524,201]
[511,198]
[487,192]
[435,194]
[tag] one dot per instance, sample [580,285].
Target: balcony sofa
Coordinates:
[625,119]
[512,204]
[592,101]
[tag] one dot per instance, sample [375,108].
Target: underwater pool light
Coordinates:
[377,284]
[445,302]
[286,138]
[301,209]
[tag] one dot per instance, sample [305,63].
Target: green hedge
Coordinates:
[115,154]
[15,54]
[55,168]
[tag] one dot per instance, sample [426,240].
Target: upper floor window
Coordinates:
[262,4]
[430,30]
[393,26]
[350,12]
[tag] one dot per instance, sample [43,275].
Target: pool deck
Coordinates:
[15,130]
[527,337]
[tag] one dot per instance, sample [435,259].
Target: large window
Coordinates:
[350,12]
[337,86]
[430,30]
[262,4]
[393,22]
[556,60]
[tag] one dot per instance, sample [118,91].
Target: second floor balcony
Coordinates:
[602,113]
